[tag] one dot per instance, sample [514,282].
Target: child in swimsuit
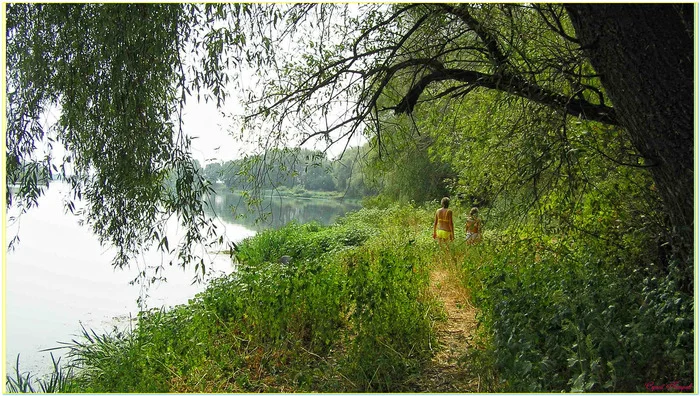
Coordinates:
[473,227]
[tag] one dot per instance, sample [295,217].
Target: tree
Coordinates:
[350,173]
[315,170]
[407,171]
[327,71]
[644,54]
[119,87]
[531,52]
[213,172]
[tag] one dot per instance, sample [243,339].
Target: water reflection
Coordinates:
[275,212]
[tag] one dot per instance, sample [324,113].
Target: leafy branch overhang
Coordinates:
[510,84]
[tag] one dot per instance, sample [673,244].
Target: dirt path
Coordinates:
[445,373]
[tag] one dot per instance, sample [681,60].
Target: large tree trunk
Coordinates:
[644,53]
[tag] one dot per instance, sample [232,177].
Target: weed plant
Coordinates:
[60,380]
[348,312]
[564,315]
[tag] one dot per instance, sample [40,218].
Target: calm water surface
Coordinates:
[59,276]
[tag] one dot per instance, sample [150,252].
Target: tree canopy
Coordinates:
[121,74]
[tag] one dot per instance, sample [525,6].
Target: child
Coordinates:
[473,227]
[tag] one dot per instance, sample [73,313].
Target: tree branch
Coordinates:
[514,86]
[559,28]
[491,43]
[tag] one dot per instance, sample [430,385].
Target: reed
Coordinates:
[60,380]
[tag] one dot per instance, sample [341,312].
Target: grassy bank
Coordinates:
[349,313]
[352,312]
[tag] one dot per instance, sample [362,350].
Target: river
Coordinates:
[59,277]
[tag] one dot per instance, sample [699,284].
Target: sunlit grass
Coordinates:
[352,312]
[348,313]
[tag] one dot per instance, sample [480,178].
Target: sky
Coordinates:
[212,141]
[210,130]
[202,121]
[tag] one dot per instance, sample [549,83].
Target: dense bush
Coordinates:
[563,317]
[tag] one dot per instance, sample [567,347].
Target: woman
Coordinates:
[443,227]
[473,227]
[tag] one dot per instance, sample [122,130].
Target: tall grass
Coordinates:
[60,380]
[349,312]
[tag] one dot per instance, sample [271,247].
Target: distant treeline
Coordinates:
[406,172]
[294,169]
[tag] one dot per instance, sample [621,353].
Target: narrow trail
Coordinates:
[445,373]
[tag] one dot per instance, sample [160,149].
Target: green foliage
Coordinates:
[405,171]
[115,362]
[296,170]
[561,316]
[569,297]
[273,169]
[391,316]
[351,175]
[348,312]
[507,106]
[117,96]
[303,242]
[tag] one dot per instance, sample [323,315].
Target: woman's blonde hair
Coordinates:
[445,202]
[474,211]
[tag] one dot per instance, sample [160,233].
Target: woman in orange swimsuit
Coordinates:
[443,227]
